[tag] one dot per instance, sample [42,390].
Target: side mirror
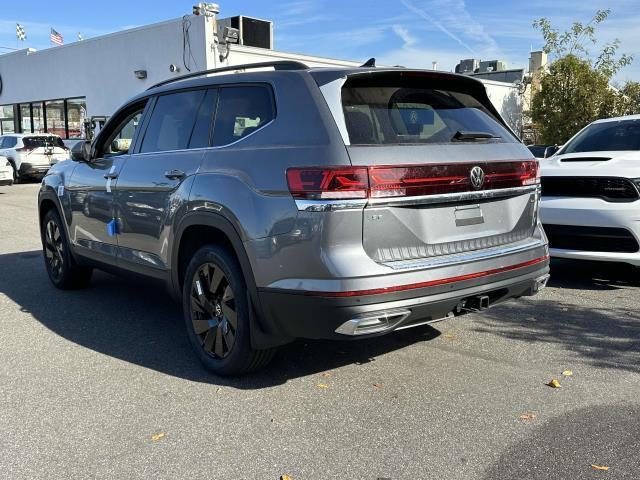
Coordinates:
[550,151]
[81,152]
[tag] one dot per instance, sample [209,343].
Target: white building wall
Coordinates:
[508,101]
[100,69]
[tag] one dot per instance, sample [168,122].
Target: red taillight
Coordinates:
[408,180]
[328,183]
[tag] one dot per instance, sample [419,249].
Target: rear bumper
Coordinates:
[28,169]
[300,315]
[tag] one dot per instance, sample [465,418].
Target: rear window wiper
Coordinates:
[463,135]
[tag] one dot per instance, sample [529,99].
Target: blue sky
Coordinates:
[396,32]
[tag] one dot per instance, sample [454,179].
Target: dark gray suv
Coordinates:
[299,202]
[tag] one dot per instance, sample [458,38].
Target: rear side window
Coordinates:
[172,121]
[395,114]
[241,111]
[10,142]
[37,142]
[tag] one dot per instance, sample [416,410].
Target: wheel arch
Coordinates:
[197,229]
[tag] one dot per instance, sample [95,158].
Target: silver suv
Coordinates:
[299,202]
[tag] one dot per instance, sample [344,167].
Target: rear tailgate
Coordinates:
[446,176]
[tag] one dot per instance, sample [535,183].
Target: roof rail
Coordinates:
[277,65]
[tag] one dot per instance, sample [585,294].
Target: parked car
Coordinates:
[317,203]
[590,193]
[31,154]
[538,151]
[6,171]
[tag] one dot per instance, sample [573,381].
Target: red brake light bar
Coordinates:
[409,180]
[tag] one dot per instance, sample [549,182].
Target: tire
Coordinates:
[214,292]
[62,269]
[16,176]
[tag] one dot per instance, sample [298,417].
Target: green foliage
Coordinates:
[576,91]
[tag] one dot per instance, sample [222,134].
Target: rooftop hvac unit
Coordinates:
[253,32]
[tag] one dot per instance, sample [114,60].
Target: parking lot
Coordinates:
[102,383]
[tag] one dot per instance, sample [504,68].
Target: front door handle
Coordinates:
[111,175]
[174,174]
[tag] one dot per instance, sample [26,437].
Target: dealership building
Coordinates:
[60,89]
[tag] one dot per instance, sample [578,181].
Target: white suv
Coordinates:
[31,154]
[591,193]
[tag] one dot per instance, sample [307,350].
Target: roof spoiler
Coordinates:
[277,65]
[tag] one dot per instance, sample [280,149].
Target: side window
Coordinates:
[241,111]
[172,121]
[119,142]
[202,128]
[9,142]
[2,142]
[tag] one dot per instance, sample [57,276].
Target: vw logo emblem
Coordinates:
[477,177]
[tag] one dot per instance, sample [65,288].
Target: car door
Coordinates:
[91,187]
[157,177]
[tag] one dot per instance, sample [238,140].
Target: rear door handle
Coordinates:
[111,175]
[174,174]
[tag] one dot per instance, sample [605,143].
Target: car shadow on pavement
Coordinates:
[566,447]
[137,322]
[604,335]
[585,275]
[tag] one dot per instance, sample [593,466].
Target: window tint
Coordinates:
[599,137]
[394,114]
[202,128]
[120,140]
[241,111]
[37,142]
[172,121]
[10,142]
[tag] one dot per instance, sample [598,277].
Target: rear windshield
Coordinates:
[386,115]
[600,137]
[37,142]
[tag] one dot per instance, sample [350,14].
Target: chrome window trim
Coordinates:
[453,197]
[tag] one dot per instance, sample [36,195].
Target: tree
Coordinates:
[576,90]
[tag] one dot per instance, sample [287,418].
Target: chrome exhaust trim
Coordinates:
[374,322]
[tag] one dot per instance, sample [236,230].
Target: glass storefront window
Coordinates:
[76,115]
[25,118]
[7,124]
[55,117]
[38,118]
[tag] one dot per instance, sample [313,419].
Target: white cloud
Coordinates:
[405,35]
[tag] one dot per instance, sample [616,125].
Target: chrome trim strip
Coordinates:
[453,197]
[330,205]
[463,258]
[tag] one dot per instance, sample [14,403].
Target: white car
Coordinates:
[31,154]
[590,205]
[6,172]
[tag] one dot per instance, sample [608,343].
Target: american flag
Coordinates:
[56,38]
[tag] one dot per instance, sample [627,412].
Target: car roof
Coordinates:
[322,75]
[23,135]
[617,119]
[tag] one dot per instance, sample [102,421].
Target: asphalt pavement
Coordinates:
[101,383]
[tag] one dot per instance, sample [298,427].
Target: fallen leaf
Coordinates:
[450,336]
[157,436]
[554,383]
[322,385]
[326,374]
[567,373]
[599,467]
[527,416]
[286,477]
[377,385]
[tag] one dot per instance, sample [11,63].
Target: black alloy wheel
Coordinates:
[213,310]
[54,250]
